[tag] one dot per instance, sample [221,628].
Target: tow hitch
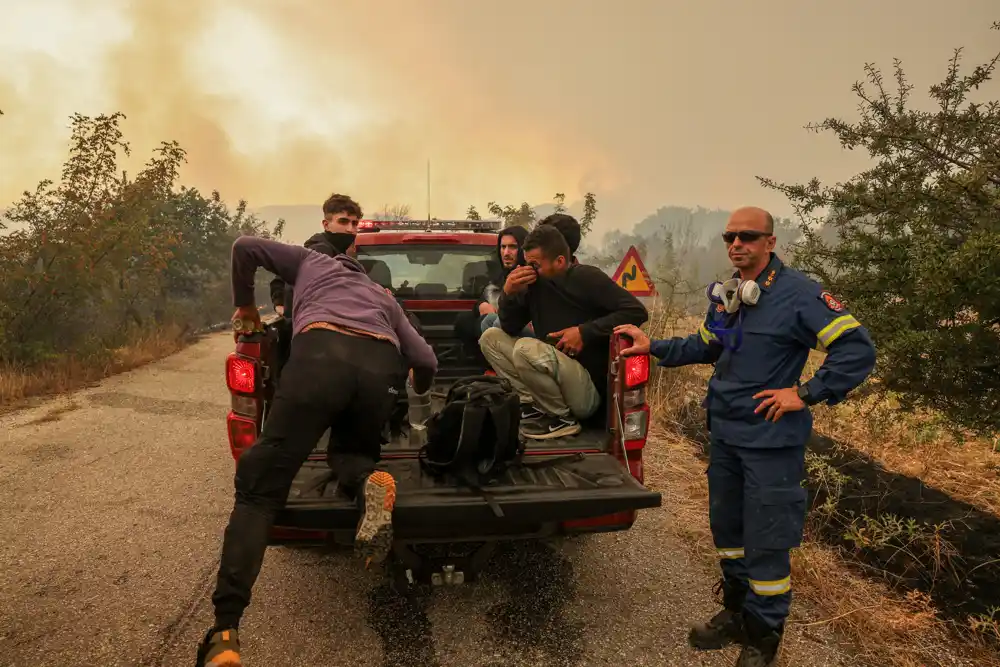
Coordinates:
[448,577]
[439,569]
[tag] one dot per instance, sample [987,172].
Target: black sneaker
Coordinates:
[220,648]
[529,412]
[546,427]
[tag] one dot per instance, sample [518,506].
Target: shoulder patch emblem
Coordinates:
[719,308]
[831,302]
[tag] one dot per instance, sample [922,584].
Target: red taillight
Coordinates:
[636,371]
[242,434]
[241,374]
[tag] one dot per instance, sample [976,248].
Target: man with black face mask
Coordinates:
[341,215]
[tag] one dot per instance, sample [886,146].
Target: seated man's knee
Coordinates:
[492,338]
[528,351]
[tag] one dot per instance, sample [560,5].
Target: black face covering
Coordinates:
[340,241]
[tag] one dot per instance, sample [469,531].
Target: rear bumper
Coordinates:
[533,500]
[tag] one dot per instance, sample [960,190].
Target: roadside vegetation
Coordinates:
[903,533]
[103,271]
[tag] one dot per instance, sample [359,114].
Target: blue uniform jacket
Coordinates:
[792,316]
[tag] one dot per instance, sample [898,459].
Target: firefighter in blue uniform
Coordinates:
[759,329]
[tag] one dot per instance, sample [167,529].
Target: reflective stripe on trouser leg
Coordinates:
[725,510]
[770,594]
[775,516]
[771,588]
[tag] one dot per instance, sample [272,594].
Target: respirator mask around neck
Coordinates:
[730,295]
[734,292]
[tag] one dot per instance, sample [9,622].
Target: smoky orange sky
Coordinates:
[645,102]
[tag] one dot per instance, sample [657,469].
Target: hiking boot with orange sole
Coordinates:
[373,539]
[220,648]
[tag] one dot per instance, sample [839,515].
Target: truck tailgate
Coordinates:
[563,489]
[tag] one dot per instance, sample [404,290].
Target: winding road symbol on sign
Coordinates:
[632,275]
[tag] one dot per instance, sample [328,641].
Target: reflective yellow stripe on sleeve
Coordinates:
[776,587]
[706,335]
[730,553]
[835,330]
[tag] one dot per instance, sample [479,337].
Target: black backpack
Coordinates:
[475,437]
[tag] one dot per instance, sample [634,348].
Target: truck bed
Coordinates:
[564,488]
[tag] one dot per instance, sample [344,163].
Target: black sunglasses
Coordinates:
[745,236]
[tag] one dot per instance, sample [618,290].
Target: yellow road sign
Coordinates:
[632,275]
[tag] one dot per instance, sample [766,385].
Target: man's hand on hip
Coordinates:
[640,341]
[778,402]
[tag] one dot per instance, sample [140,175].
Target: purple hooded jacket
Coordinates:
[328,289]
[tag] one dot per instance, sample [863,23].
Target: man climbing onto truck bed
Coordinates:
[351,342]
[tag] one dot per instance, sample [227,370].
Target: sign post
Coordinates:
[632,275]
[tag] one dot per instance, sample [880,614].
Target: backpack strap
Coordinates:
[502,417]
[466,478]
[472,425]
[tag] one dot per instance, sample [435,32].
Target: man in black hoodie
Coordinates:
[509,254]
[470,326]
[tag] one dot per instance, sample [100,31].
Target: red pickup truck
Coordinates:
[437,270]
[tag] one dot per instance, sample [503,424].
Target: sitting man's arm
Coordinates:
[514,312]
[619,304]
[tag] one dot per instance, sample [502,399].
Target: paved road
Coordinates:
[113,503]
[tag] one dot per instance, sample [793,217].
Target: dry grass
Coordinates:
[18,384]
[886,627]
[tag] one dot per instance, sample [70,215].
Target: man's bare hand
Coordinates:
[568,341]
[640,341]
[486,309]
[519,279]
[778,402]
[280,310]
[246,320]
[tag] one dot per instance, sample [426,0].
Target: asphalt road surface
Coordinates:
[112,505]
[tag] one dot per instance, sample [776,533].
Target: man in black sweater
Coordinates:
[561,374]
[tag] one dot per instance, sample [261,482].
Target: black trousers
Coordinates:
[331,380]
